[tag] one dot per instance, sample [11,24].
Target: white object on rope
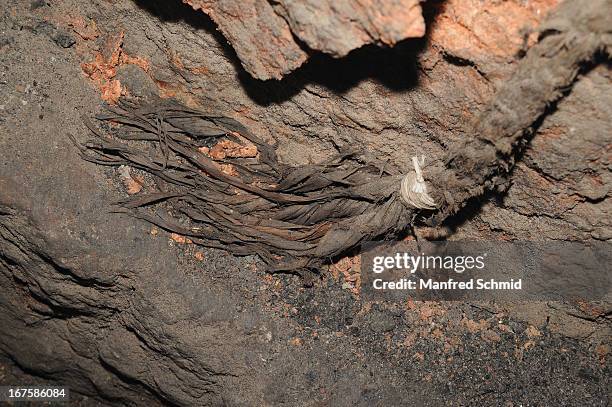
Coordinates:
[413,190]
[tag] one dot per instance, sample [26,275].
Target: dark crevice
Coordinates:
[459,61]
[132,383]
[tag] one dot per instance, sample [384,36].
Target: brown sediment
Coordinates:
[103,69]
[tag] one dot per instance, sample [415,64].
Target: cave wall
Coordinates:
[131,317]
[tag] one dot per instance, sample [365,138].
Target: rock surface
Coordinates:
[263,33]
[125,315]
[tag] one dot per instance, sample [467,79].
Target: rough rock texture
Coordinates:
[487,34]
[262,39]
[338,27]
[264,33]
[125,315]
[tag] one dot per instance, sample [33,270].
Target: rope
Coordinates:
[413,189]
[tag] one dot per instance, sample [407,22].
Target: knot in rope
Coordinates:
[413,189]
